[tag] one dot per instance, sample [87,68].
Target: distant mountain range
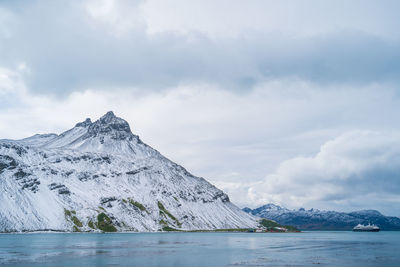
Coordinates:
[314,219]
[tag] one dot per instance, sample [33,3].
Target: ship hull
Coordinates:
[365,230]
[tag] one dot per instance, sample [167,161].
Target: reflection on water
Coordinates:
[201,249]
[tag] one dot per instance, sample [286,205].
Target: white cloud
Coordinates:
[358,169]
[119,16]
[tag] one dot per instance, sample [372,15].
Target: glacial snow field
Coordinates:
[98,176]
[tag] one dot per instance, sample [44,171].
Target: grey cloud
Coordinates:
[66,50]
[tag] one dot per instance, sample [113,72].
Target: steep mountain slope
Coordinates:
[314,219]
[101,176]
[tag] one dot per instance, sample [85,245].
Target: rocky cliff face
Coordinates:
[314,219]
[100,176]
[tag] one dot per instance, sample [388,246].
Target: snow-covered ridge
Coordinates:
[100,176]
[324,220]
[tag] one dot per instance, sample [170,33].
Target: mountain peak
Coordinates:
[110,125]
[108,115]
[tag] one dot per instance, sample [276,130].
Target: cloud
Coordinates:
[232,139]
[357,169]
[230,18]
[107,45]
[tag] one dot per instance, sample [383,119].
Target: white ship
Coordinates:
[366,228]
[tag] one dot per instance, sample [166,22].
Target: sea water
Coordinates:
[201,249]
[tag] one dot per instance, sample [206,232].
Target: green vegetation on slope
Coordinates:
[137,204]
[91,224]
[67,213]
[271,224]
[165,212]
[163,209]
[76,221]
[169,229]
[105,224]
[69,216]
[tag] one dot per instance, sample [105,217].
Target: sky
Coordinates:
[292,102]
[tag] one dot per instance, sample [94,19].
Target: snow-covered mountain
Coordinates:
[315,219]
[98,175]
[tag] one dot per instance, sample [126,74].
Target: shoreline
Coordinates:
[134,232]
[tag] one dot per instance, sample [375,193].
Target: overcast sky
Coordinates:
[291,102]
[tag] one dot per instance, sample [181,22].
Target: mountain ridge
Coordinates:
[314,219]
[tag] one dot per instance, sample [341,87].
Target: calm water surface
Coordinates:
[201,249]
